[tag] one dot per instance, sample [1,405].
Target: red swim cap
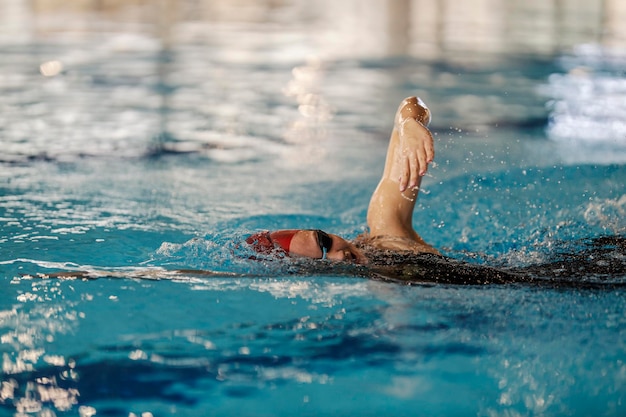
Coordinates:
[266,242]
[283,238]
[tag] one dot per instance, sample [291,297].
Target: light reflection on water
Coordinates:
[28,330]
[314,335]
[588,104]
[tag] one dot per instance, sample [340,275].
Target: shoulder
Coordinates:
[393,243]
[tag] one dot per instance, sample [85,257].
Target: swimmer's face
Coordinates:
[318,244]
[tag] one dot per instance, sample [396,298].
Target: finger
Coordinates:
[404,177]
[430,150]
[414,167]
[422,161]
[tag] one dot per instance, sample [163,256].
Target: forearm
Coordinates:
[390,211]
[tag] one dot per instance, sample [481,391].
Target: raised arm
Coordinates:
[411,149]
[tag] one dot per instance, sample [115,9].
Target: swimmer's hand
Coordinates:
[414,152]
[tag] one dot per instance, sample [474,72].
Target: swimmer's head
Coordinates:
[315,244]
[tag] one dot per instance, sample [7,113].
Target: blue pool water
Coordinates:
[134,161]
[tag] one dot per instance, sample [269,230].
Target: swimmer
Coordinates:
[392,249]
[390,212]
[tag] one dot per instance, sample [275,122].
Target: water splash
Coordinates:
[609,214]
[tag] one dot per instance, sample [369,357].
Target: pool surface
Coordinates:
[129,153]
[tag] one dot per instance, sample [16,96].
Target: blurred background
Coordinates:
[168,74]
[428,29]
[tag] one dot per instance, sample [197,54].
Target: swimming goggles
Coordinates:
[324,241]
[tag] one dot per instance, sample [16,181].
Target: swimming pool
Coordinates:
[128,160]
